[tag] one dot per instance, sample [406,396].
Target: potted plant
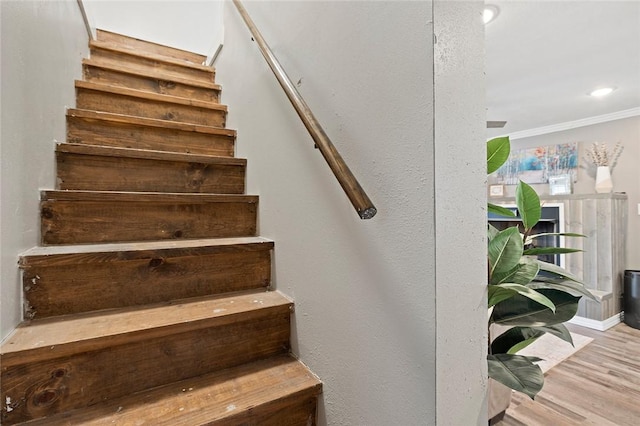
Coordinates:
[527,297]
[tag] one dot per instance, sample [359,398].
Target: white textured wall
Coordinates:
[626,174]
[460,227]
[193,25]
[365,291]
[43,43]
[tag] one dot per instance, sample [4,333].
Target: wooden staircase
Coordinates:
[149,301]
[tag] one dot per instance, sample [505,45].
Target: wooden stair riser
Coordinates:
[57,385]
[229,397]
[150,108]
[296,410]
[131,60]
[68,284]
[78,219]
[137,44]
[110,173]
[136,134]
[149,83]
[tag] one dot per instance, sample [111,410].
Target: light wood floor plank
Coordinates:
[599,385]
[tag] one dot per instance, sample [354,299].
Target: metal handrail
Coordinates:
[349,183]
[86,20]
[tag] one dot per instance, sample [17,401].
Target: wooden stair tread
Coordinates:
[107,151]
[107,252]
[147,73]
[81,84]
[157,197]
[62,336]
[232,396]
[145,45]
[149,122]
[115,47]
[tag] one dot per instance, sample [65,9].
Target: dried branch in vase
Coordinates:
[599,154]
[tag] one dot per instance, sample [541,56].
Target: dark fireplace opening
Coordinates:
[549,223]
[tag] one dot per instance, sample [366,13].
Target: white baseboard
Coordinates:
[595,324]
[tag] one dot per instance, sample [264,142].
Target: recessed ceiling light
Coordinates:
[602,91]
[490,13]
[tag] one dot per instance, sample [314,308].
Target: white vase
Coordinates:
[604,184]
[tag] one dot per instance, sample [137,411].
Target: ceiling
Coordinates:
[544,57]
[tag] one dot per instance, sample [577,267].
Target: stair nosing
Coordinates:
[141,94]
[146,154]
[125,196]
[43,339]
[97,44]
[32,255]
[154,75]
[150,122]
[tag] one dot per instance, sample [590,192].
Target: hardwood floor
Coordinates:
[599,385]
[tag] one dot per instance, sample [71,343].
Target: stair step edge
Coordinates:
[148,154]
[33,255]
[122,196]
[66,335]
[93,62]
[202,400]
[123,91]
[102,34]
[115,47]
[149,122]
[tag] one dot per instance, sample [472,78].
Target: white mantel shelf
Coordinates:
[546,197]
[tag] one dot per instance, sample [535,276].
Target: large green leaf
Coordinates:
[523,273]
[558,330]
[528,204]
[514,339]
[521,311]
[497,153]
[558,234]
[557,271]
[517,338]
[499,210]
[571,287]
[505,250]
[492,231]
[549,250]
[516,372]
[497,294]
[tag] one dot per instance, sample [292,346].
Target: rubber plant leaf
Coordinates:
[499,210]
[549,250]
[528,204]
[492,231]
[557,271]
[518,289]
[521,311]
[572,287]
[517,338]
[516,372]
[523,273]
[557,234]
[505,251]
[497,153]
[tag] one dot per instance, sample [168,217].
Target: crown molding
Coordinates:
[568,125]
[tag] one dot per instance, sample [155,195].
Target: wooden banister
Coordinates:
[347,180]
